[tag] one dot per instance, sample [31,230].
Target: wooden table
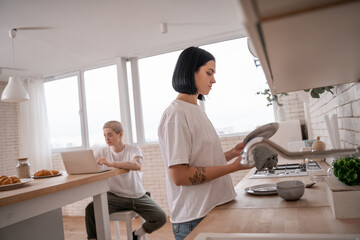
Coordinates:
[38,204]
[271,214]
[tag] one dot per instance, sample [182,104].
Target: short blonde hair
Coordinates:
[116,126]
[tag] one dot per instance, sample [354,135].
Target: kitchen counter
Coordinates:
[35,208]
[271,214]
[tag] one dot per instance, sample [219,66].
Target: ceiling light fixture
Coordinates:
[14,90]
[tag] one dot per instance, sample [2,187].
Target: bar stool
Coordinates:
[125,216]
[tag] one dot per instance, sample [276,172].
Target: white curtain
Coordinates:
[34,129]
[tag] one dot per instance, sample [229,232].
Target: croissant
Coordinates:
[5,180]
[54,171]
[15,179]
[43,173]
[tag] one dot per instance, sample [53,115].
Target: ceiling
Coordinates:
[83,34]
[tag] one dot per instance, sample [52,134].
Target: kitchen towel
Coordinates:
[264,158]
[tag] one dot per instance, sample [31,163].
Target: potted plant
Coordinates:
[343,188]
[347,170]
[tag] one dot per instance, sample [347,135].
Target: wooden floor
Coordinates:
[74,228]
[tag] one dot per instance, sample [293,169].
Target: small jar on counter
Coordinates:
[318,146]
[23,168]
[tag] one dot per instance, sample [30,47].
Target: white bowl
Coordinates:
[290,184]
[290,190]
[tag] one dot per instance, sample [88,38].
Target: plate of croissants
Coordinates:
[12,182]
[46,173]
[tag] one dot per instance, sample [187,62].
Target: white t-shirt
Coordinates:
[129,184]
[187,136]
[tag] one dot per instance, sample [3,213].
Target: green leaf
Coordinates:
[320,90]
[342,173]
[351,176]
[341,162]
[343,180]
[351,164]
[314,94]
[328,88]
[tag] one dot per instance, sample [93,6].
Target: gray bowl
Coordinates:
[290,190]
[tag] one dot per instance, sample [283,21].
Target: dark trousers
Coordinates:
[154,216]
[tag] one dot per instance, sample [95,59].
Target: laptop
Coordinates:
[81,162]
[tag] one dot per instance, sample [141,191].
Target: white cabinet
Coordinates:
[304,44]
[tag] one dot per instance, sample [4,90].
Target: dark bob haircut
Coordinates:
[188,63]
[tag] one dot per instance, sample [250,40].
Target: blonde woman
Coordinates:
[126,190]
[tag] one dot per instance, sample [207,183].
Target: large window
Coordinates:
[155,75]
[79,104]
[102,101]
[63,107]
[232,105]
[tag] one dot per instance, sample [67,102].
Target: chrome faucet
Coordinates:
[248,158]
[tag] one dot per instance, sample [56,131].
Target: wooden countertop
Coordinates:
[313,197]
[271,214]
[43,186]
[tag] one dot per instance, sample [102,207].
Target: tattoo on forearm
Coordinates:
[199,176]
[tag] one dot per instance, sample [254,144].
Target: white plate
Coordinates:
[265,131]
[262,189]
[47,176]
[16,185]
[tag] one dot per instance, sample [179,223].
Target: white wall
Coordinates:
[9,135]
[346,104]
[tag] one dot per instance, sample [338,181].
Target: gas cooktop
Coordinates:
[287,170]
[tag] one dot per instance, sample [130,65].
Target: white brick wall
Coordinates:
[346,104]
[9,135]
[293,107]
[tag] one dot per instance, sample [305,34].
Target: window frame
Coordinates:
[124,100]
[82,109]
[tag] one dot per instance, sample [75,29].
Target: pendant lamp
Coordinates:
[14,90]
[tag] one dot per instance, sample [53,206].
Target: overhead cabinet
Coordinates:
[304,44]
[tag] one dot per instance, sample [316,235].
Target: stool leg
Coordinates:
[117,230]
[129,229]
[142,222]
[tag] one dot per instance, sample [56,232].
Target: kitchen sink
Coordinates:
[274,236]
